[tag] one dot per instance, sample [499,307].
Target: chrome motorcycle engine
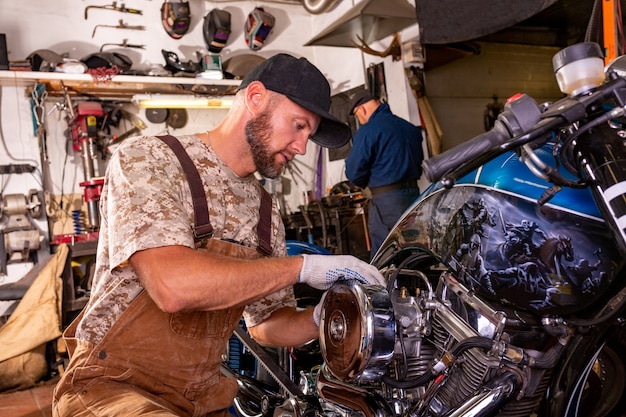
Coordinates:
[358,332]
[389,352]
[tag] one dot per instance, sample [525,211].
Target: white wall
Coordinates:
[60,26]
[460,91]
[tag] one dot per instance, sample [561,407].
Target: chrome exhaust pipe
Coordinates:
[491,398]
[351,397]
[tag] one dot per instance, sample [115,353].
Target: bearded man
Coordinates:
[189,242]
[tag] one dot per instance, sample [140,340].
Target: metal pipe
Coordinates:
[490,398]
[351,396]
[318,6]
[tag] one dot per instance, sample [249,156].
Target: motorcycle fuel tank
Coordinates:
[491,232]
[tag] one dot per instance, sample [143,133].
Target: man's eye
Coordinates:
[299,126]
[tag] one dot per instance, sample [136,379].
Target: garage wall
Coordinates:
[460,91]
[60,26]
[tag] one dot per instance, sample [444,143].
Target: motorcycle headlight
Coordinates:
[357,331]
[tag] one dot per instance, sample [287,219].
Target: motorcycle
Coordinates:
[506,286]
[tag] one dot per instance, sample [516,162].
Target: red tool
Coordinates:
[84,130]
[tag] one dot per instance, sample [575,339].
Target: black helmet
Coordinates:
[107,60]
[216,29]
[44,60]
[176,18]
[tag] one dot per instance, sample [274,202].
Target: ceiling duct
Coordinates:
[372,20]
[318,6]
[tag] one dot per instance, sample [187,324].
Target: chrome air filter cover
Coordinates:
[357,331]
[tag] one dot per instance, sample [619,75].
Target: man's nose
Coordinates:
[299,145]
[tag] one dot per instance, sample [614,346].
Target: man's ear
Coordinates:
[255,92]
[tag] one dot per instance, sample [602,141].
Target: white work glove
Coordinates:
[322,271]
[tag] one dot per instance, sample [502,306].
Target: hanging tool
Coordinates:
[119,113]
[124,44]
[132,132]
[134,120]
[115,140]
[38,97]
[121,25]
[295,171]
[84,134]
[113,6]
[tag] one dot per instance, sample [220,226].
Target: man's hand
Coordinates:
[317,311]
[322,271]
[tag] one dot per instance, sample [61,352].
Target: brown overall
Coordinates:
[155,363]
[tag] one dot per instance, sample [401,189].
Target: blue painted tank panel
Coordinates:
[508,173]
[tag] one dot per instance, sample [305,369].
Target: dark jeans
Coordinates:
[384,210]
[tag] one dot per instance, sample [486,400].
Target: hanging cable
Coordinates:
[3,140]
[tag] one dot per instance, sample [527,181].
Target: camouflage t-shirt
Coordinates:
[146,203]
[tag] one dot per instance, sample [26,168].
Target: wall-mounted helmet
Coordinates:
[107,59]
[176,18]
[216,29]
[258,27]
[44,60]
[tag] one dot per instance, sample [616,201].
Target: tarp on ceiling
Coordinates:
[450,21]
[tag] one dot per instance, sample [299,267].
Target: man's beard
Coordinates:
[258,133]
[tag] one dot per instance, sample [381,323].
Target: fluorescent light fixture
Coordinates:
[180,101]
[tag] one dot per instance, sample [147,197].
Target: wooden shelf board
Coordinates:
[119,85]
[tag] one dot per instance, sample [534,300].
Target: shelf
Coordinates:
[119,86]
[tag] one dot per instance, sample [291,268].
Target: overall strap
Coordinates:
[200,207]
[264,228]
[202,225]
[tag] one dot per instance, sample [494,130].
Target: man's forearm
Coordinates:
[197,280]
[286,327]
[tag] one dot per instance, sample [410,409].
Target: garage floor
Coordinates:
[34,402]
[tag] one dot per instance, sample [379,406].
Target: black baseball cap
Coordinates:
[305,85]
[360,97]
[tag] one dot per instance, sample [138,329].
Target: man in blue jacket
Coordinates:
[386,156]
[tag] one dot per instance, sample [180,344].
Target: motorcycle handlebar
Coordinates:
[520,114]
[521,122]
[436,167]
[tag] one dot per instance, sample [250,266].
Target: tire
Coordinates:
[604,391]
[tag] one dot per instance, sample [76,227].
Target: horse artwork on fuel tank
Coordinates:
[504,245]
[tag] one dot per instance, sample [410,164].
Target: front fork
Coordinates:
[602,159]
